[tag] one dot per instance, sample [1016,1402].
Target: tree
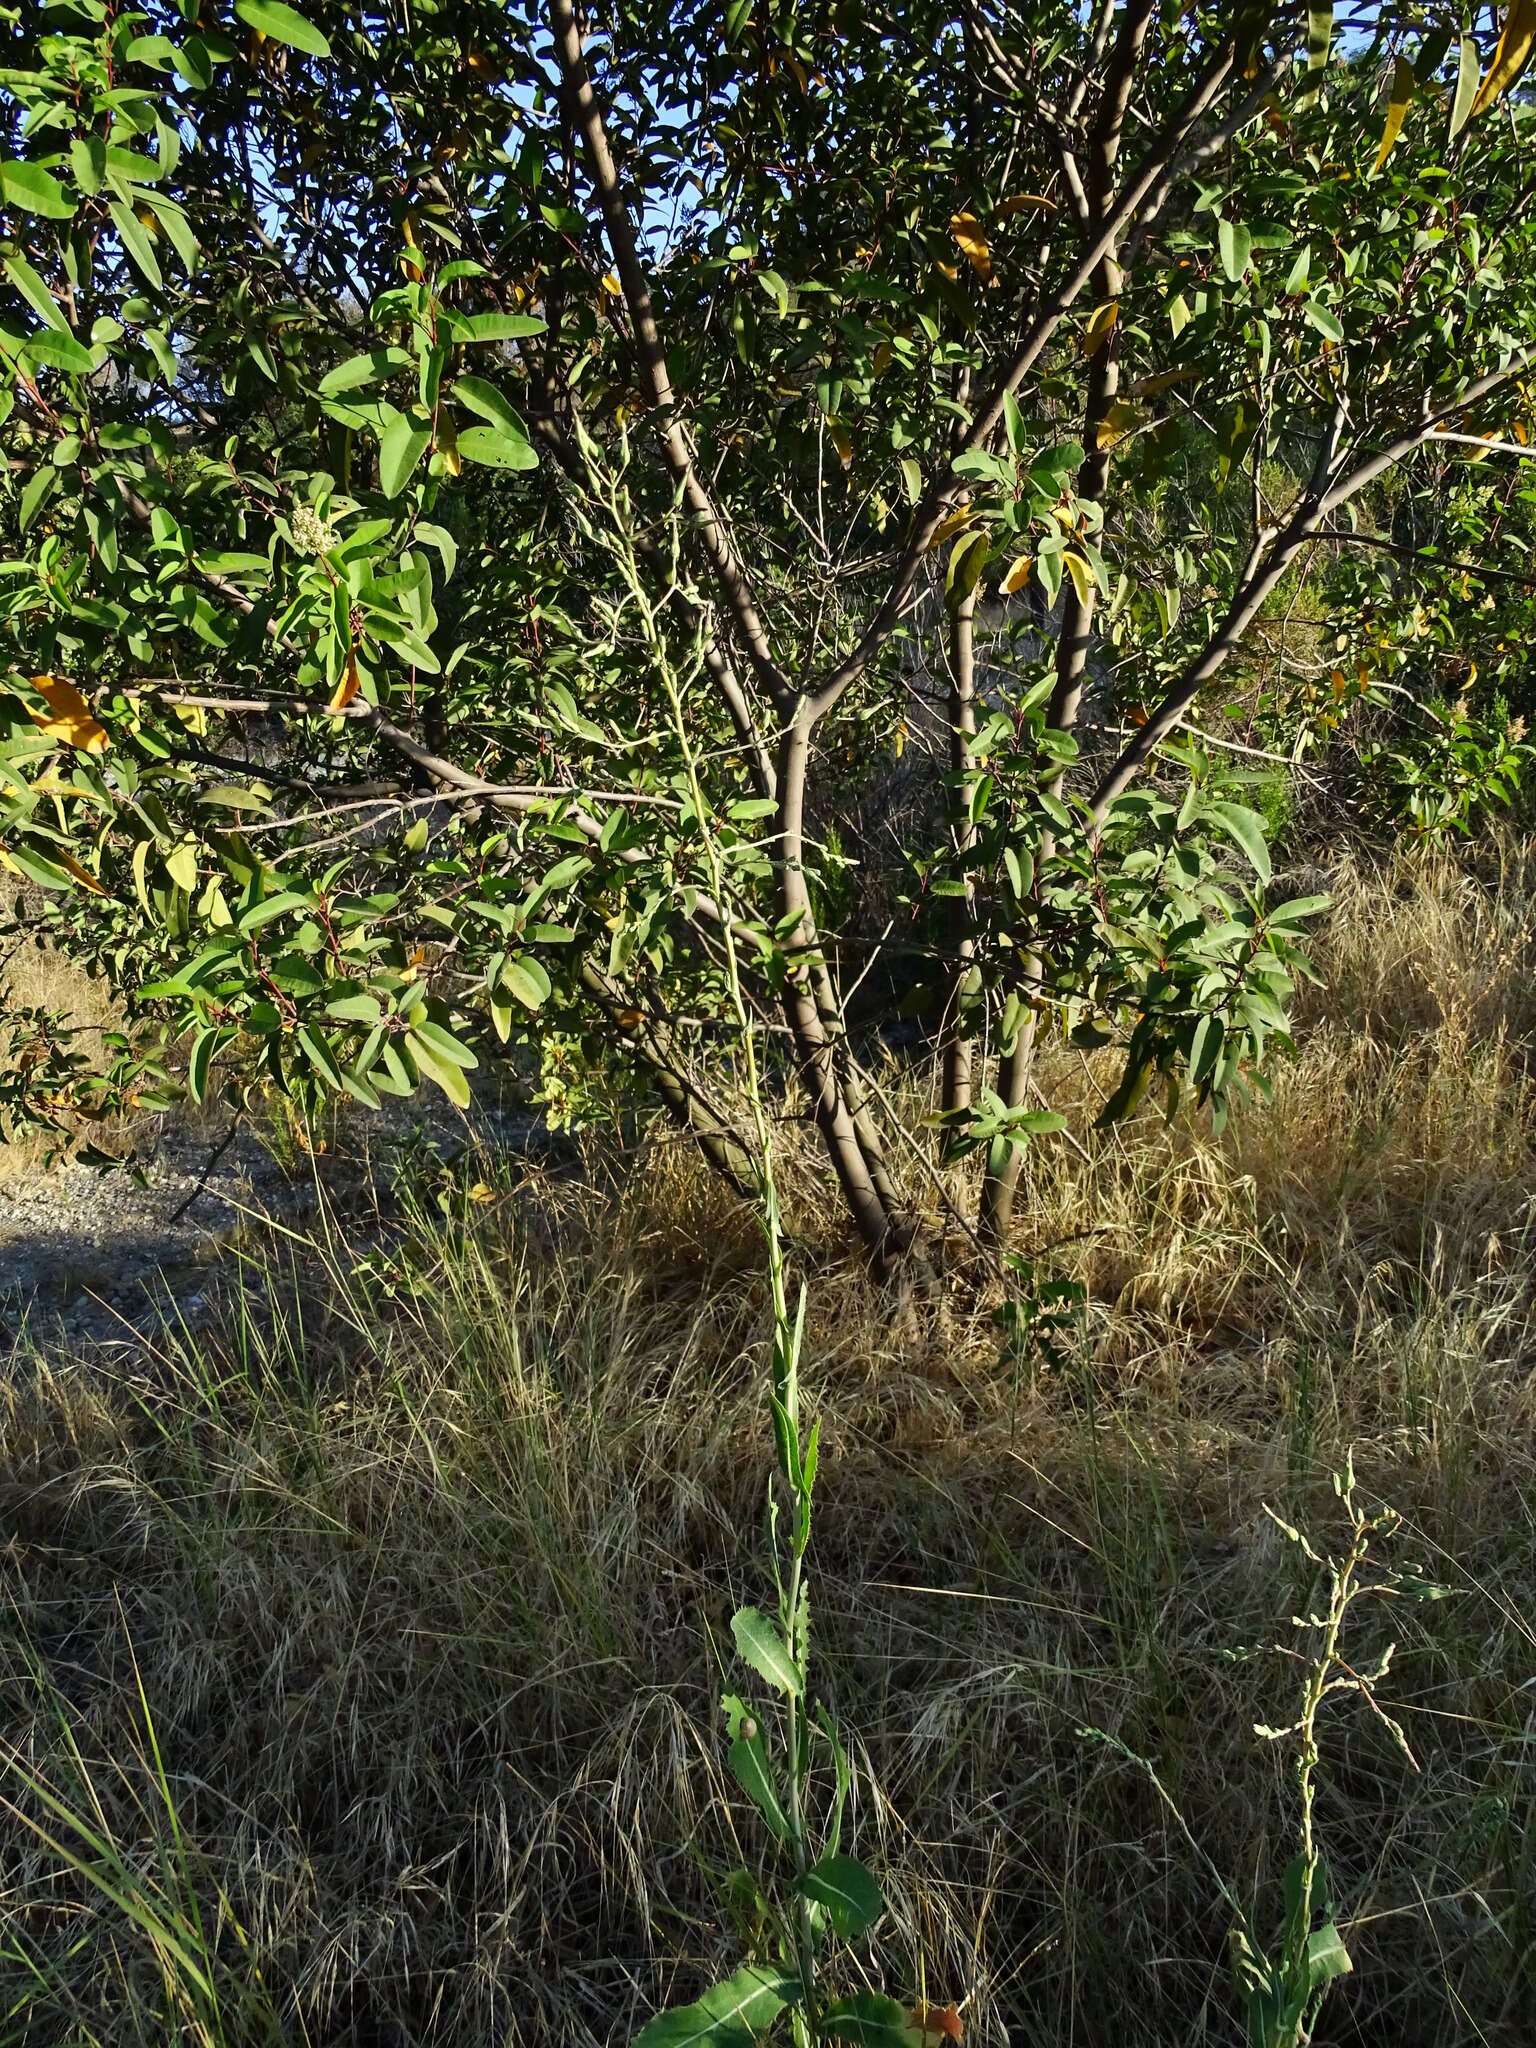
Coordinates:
[406,403]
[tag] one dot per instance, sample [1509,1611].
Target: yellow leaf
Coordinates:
[408,229]
[68,717]
[482,1192]
[881,359]
[1121,419]
[966,230]
[612,286]
[348,686]
[1082,576]
[453,461]
[1397,108]
[1100,321]
[838,435]
[1161,380]
[951,523]
[967,560]
[82,875]
[1017,575]
[1509,59]
[1019,201]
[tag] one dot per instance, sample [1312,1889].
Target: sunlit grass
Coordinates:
[359,1660]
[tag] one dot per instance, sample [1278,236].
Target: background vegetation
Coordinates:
[914,625]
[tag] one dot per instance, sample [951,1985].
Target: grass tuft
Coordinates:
[359,1659]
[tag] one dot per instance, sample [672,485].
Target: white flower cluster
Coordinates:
[312,535]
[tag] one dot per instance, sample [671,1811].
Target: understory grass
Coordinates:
[360,1658]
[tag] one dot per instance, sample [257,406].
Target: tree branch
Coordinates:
[1273,554]
[946,486]
[729,571]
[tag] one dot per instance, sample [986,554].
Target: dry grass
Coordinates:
[428,1589]
[35,976]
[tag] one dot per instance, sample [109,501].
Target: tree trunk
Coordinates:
[959,1042]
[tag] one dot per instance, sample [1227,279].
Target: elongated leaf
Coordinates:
[1319,36]
[448,1075]
[765,1649]
[748,1760]
[1466,85]
[136,241]
[1397,109]
[444,1044]
[372,367]
[496,449]
[318,1052]
[730,2015]
[284,25]
[484,398]
[482,327]
[1236,245]
[1246,828]
[847,1890]
[62,351]
[526,979]
[869,2020]
[35,292]
[1511,56]
[35,190]
[400,449]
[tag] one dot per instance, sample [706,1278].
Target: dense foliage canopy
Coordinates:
[448,443]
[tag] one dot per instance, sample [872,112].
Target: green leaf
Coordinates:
[847,1890]
[36,867]
[1246,828]
[760,1643]
[448,1074]
[1326,323]
[181,866]
[526,979]
[1467,78]
[35,292]
[730,2015]
[372,367]
[272,906]
[482,327]
[748,1761]
[88,163]
[484,398]
[61,350]
[870,2020]
[359,1008]
[444,1044]
[198,1064]
[136,242]
[34,190]
[496,449]
[1319,36]
[284,25]
[1327,1957]
[176,225]
[1236,245]
[400,449]
[317,1051]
